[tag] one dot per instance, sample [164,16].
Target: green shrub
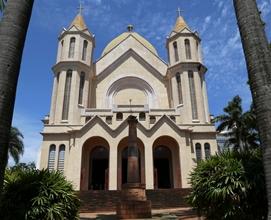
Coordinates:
[230,186]
[32,194]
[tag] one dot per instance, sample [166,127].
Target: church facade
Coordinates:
[85,135]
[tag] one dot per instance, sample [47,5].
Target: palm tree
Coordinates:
[16,144]
[240,127]
[13,28]
[231,122]
[2,5]
[258,58]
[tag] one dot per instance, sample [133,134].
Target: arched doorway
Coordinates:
[166,163]
[98,168]
[95,164]
[162,161]
[123,160]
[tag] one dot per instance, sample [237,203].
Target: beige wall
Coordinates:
[181,142]
[129,71]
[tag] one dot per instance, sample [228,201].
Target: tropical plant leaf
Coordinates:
[2,5]
[230,186]
[38,195]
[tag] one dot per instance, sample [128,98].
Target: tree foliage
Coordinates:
[230,186]
[16,144]
[2,5]
[32,194]
[240,127]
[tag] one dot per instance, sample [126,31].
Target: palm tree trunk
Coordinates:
[258,59]
[13,29]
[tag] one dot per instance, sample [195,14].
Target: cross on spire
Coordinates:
[80,8]
[179,11]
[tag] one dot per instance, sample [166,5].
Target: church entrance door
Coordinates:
[163,177]
[98,168]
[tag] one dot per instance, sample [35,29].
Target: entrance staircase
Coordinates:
[105,201]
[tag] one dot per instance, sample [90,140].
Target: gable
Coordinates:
[131,71]
[140,62]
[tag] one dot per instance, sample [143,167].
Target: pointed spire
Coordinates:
[79,20]
[180,22]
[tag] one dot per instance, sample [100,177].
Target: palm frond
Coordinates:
[2,5]
[16,145]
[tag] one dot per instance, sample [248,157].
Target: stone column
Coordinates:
[113,168]
[133,204]
[133,162]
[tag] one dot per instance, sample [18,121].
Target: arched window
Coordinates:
[51,157]
[187,49]
[81,88]
[175,47]
[61,158]
[119,116]
[207,150]
[67,91]
[142,116]
[198,152]
[72,47]
[61,50]
[193,95]
[84,52]
[179,88]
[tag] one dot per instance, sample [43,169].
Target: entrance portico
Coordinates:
[97,174]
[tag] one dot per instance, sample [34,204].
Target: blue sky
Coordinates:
[213,19]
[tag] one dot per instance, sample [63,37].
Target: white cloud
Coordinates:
[224,11]
[265,7]
[206,22]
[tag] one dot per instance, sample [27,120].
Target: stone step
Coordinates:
[177,213]
[95,201]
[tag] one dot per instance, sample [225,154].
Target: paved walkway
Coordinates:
[178,213]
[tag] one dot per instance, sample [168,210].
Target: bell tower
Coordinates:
[72,72]
[187,73]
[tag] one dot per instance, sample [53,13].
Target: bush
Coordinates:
[230,186]
[32,194]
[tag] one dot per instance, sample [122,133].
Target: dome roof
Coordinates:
[123,36]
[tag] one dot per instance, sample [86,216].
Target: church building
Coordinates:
[85,134]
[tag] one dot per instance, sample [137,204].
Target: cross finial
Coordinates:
[130,100]
[80,8]
[179,11]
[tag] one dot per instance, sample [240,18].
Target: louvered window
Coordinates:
[81,88]
[67,91]
[61,158]
[51,158]
[179,88]
[198,152]
[175,47]
[72,47]
[193,95]
[187,49]
[84,53]
[207,150]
